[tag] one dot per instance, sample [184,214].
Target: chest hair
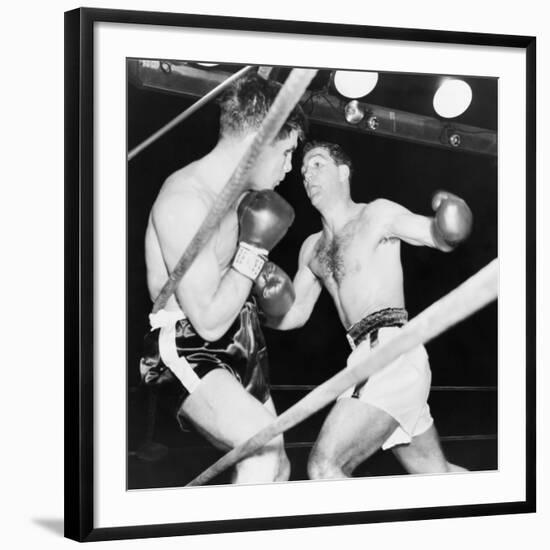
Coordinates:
[331,252]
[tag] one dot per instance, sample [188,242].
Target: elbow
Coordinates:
[209,330]
[299,323]
[442,247]
[205,322]
[291,321]
[210,335]
[282,325]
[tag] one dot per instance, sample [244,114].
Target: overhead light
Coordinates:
[149,63]
[208,64]
[355,84]
[353,112]
[452,98]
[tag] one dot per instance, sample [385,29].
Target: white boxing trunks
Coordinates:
[401,388]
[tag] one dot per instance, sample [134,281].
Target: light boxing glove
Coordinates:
[264,218]
[452,221]
[274,290]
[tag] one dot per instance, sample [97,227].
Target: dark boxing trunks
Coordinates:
[241,351]
[368,328]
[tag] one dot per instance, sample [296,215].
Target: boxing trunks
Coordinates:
[401,388]
[176,358]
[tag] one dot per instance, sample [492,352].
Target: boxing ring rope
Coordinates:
[475,293]
[152,451]
[187,113]
[287,98]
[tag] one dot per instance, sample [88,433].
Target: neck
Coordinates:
[224,159]
[337,214]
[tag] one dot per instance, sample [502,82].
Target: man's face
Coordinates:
[274,162]
[321,176]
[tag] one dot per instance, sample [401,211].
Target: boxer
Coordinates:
[206,352]
[356,257]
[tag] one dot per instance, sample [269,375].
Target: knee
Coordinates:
[322,466]
[264,468]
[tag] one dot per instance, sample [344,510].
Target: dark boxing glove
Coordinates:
[274,290]
[264,218]
[452,222]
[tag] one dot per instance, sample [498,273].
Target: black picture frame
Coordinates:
[79,269]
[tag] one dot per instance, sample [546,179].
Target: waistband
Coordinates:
[165,318]
[388,317]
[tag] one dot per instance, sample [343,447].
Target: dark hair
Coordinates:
[245,104]
[336,153]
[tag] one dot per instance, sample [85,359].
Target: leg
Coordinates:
[226,414]
[283,473]
[423,455]
[247,469]
[352,432]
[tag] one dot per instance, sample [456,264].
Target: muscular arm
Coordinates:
[307,288]
[451,225]
[405,225]
[209,298]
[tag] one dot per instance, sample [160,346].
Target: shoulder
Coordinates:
[384,205]
[308,247]
[311,241]
[384,210]
[180,202]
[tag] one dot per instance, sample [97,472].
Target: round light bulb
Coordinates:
[355,84]
[353,112]
[452,98]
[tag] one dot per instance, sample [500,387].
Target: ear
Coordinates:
[343,170]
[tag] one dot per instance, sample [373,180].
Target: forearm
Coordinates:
[306,291]
[445,231]
[214,313]
[295,318]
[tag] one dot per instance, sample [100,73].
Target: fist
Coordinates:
[452,222]
[274,290]
[264,218]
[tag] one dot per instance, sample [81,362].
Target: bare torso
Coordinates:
[189,182]
[360,265]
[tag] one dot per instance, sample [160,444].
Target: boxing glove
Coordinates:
[452,221]
[274,290]
[264,218]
